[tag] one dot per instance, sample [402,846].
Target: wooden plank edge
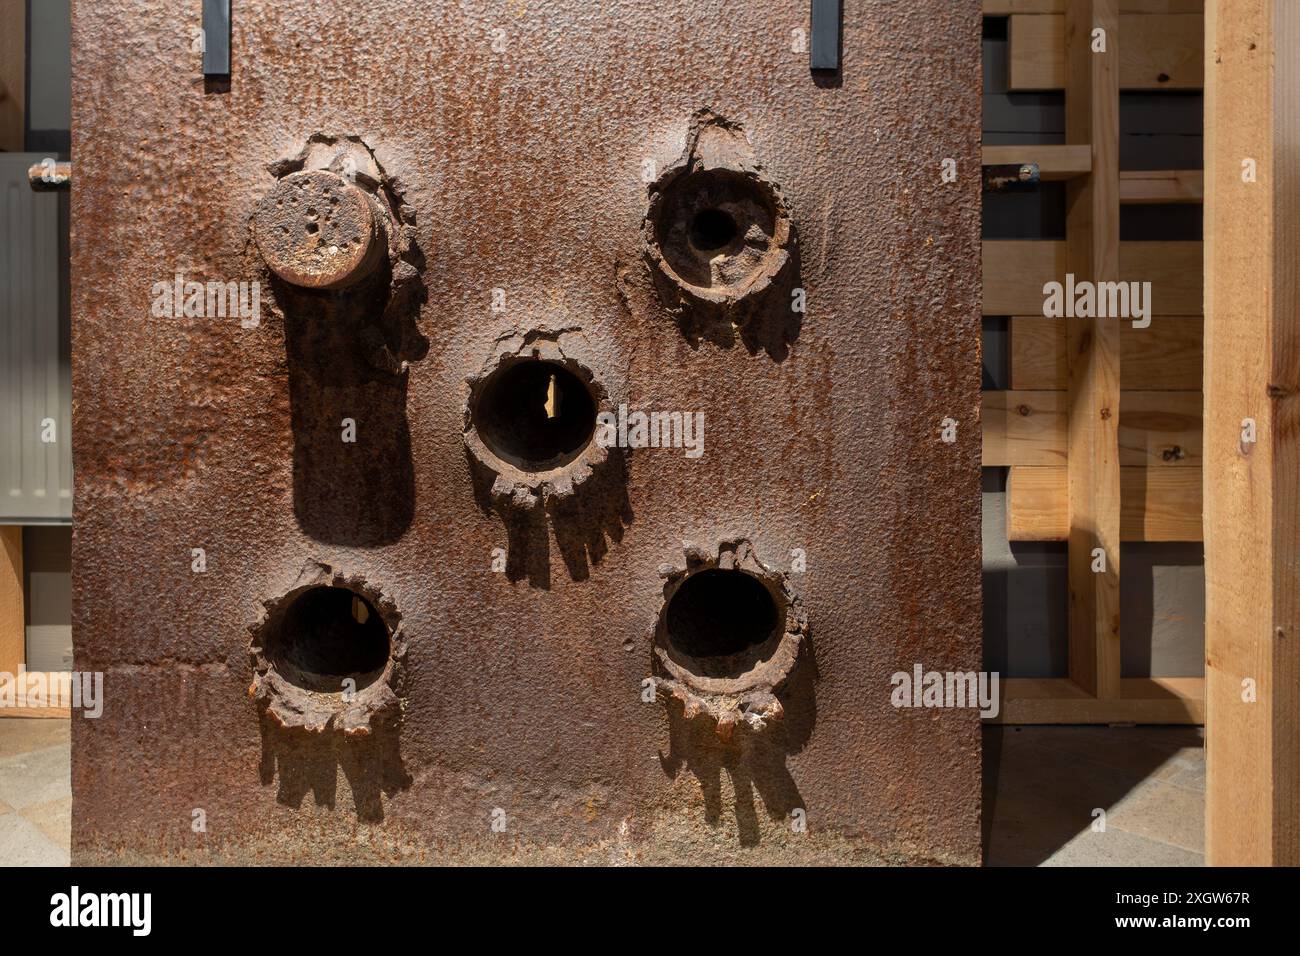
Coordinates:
[1161,186]
[1055,162]
[1178,700]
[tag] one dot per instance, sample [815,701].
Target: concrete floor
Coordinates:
[1041,787]
[35,791]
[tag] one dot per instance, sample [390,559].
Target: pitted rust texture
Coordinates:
[717,229]
[523,690]
[740,689]
[318,231]
[335,229]
[721,244]
[288,701]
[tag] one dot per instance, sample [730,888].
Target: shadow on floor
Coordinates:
[1049,791]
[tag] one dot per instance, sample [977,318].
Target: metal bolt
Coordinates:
[49,175]
[317,230]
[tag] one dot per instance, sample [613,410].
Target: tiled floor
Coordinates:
[1042,786]
[35,792]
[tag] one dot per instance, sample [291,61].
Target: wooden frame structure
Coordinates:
[12,628]
[1101,427]
[1252,391]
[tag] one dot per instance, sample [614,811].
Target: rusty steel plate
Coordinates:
[583,504]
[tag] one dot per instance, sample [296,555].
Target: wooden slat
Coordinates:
[1093,434]
[1160,428]
[1252,370]
[1174,269]
[1002,8]
[1054,162]
[1163,700]
[1152,187]
[59,683]
[13,640]
[1155,429]
[1023,428]
[1156,504]
[1164,356]
[1015,272]
[1158,52]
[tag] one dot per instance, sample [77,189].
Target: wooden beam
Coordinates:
[1054,162]
[1156,504]
[1154,429]
[1093,440]
[13,621]
[1003,8]
[57,685]
[1016,270]
[1160,429]
[1023,428]
[1160,52]
[1164,356]
[1252,371]
[1158,700]
[1162,186]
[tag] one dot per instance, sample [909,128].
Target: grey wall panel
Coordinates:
[47,570]
[35,380]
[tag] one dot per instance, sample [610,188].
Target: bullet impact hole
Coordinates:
[536,415]
[329,635]
[717,613]
[712,229]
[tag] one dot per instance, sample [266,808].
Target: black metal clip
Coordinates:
[825,46]
[216,37]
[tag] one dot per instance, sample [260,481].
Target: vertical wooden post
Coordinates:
[12,621]
[1092,254]
[1252,372]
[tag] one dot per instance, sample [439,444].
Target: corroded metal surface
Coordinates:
[317,230]
[519,149]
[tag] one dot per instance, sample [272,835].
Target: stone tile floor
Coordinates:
[1042,786]
[35,792]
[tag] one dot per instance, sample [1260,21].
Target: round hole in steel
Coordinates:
[535,414]
[713,229]
[720,613]
[327,636]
